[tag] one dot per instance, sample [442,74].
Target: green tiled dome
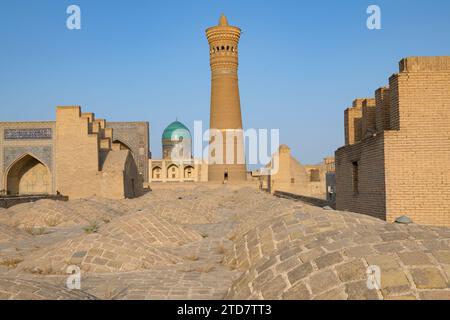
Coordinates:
[175,131]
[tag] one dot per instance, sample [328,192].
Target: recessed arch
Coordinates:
[157,172]
[189,172]
[120,145]
[28,176]
[173,172]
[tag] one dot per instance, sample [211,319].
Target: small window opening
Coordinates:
[355,177]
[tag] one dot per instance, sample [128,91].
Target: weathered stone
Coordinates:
[385,262]
[401,297]
[442,256]
[289,253]
[287,265]
[394,282]
[267,264]
[389,247]
[435,244]
[435,295]
[333,294]
[100,261]
[274,288]
[393,236]
[428,278]
[338,245]
[360,291]
[328,260]
[404,220]
[359,252]
[262,278]
[414,258]
[352,271]
[79,254]
[300,272]
[297,292]
[323,281]
[311,254]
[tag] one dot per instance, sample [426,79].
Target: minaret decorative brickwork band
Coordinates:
[225,116]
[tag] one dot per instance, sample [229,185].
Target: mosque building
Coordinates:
[177,163]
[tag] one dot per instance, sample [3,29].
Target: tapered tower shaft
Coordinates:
[225,113]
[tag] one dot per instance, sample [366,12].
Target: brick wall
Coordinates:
[405,168]
[86,165]
[368,123]
[135,135]
[383,109]
[11,150]
[370,198]
[418,155]
[353,117]
[77,156]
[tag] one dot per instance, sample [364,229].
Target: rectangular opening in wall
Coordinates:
[355,177]
[314,175]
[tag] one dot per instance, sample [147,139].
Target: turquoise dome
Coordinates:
[175,131]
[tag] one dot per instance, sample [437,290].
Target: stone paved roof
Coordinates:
[19,289]
[216,243]
[325,255]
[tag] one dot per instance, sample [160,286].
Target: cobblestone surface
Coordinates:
[318,254]
[215,243]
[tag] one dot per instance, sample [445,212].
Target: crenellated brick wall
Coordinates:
[405,168]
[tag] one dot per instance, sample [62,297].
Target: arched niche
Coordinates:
[173,172]
[157,173]
[119,145]
[188,172]
[28,176]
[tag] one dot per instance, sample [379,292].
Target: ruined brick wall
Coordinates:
[418,155]
[383,109]
[368,123]
[353,119]
[405,168]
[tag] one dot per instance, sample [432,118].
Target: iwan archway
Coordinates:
[119,145]
[28,176]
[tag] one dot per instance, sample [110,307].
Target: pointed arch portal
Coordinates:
[28,176]
[122,146]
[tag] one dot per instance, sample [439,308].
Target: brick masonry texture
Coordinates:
[75,153]
[403,167]
[210,242]
[136,136]
[12,150]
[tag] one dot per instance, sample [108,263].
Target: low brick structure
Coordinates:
[396,158]
[77,156]
[286,174]
[9,201]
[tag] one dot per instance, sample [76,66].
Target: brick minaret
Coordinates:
[225,102]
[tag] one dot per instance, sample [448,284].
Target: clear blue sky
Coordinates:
[301,62]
